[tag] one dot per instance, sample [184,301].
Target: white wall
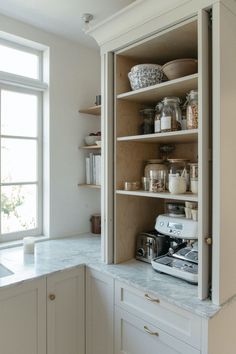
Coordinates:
[74,83]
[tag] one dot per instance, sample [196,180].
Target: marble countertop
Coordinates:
[60,254]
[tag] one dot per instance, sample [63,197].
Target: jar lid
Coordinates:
[193,163]
[155,161]
[173,99]
[177,160]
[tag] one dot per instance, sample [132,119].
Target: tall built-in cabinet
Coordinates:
[161,32]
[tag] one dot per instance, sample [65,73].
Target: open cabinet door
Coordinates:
[204,141]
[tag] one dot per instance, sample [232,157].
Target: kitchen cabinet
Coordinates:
[136,336]
[66,312]
[99,313]
[23,318]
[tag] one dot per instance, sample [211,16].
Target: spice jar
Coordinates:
[192,110]
[157,122]
[171,114]
[157,173]
[147,127]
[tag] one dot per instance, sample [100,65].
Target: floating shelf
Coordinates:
[92,186]
[182,136]
[189,197]
[90,147]
[178,87]
[95,110]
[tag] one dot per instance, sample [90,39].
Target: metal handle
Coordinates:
[52,297]
[151,299]
[146,329]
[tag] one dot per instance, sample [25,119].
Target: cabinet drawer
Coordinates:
[136,336]
[177,322]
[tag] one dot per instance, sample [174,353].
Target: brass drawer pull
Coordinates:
[146,329]
[52,297]
[151,299]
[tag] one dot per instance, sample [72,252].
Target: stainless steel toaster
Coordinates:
[150,245]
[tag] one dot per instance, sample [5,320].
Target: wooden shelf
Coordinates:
[90,147]
[182,136]
[95,110]
[153,94]
[92,186]
[189,197]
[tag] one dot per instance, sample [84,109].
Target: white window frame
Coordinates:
[22,84]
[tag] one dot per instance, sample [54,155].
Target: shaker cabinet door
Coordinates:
[135,336]
[23,318]
[99,313]
[65,312]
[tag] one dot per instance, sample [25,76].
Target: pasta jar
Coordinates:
[171,114]
[192,110]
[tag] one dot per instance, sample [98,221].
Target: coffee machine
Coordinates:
[181,260]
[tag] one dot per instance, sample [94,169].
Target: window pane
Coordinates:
[18,160]
[18,208]
[19,114]
[18,62]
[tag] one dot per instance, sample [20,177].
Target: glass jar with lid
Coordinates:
[156,171]
[177,166]
[192,110]
[171,114]
[147,127]
[157,122]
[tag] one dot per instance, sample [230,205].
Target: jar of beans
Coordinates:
[192,110]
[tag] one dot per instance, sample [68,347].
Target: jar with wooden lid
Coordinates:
[171,114]
[192,110]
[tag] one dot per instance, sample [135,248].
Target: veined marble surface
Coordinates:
[56,255]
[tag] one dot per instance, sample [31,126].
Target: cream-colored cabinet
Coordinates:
[99,313]
[66,312]
[23,318]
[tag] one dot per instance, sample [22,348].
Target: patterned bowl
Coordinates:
[145,75]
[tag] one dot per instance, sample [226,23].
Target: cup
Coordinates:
[194,213]
[194,185]
[191,205]
[188,213]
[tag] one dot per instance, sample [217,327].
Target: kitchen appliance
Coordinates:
[150,245]
[182,258]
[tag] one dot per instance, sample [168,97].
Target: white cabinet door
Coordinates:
[99,313]
[65,312]
[23,318]
[135,336]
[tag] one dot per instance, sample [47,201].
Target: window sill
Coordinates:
[17,243]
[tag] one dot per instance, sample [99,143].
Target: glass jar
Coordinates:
[193,170]
[157,122]
[171,114]
[157,173]
[177,166]
[192,110]
[147,127]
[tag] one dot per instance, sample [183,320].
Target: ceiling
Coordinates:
[62,17]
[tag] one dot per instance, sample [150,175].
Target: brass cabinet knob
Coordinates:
[208,241]
[52,297]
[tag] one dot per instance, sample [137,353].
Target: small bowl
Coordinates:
[90,139]
[180,68]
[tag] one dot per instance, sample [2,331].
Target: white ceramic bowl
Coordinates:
[90,139]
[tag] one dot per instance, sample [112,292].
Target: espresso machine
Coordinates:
[181,260]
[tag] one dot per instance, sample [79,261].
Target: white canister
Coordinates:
[177,184]
[28,245]
[194,185]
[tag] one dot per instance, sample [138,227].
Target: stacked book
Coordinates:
[93,169]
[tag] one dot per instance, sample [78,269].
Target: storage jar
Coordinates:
[157,122]
[171,114]
[147,127]
[192,110]
[157,173]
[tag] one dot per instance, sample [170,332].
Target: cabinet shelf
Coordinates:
[92,186]
[189,197]
[95,110]
[90,147]
[152,94]
[183,136]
